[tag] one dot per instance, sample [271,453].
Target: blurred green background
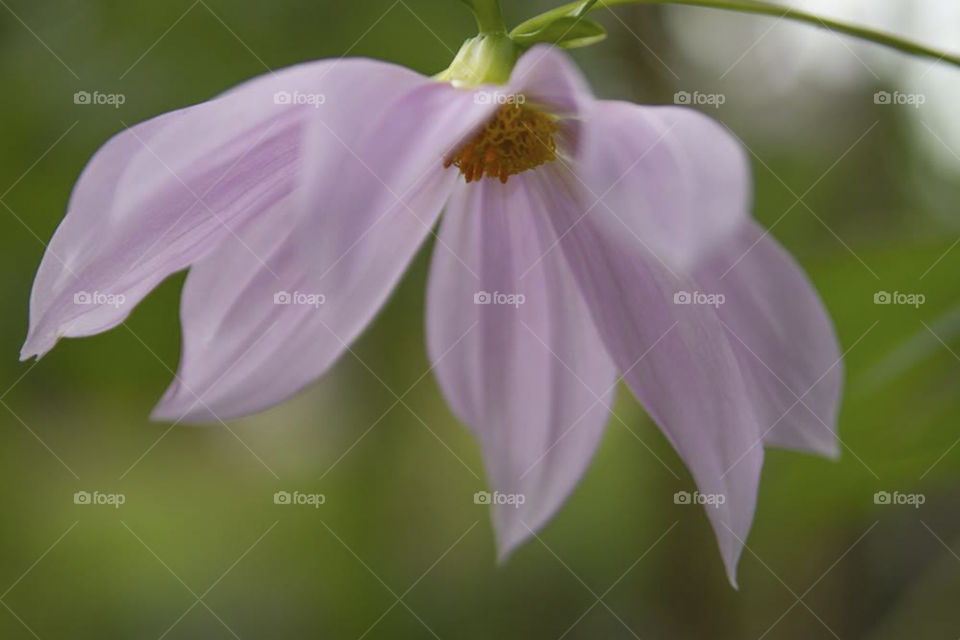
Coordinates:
[200,550]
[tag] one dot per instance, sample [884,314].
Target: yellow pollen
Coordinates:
[516,139]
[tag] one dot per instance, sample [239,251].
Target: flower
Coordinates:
[584,241]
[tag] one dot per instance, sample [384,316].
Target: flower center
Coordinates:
[516,139]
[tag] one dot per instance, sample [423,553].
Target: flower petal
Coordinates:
[546,76]
[376,186]
[677,359]
[783,338]
[361,163]
[162,194]
[255,333]
[529,375]
[676,179]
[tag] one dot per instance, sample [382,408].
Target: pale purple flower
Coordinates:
[298,199]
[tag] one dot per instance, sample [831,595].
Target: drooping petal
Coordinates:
[783,338]
[162,194]
[255,333]
[515,351]
[374,187]
[676,179]
[677,359]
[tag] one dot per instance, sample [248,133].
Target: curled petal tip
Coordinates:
[165,411]
[182,417]
[161,413]
[832,452]
[27,352]
[503,554]
[182,413]
[731,558]
[509,537]
[179,407]
[36,347]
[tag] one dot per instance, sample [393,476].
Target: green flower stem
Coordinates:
[762,8]
[489,16]
[585,8]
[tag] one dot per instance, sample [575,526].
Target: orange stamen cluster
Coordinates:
[516,139]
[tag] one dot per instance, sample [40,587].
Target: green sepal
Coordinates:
[566,32]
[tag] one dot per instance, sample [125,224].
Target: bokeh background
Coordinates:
[865,195]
